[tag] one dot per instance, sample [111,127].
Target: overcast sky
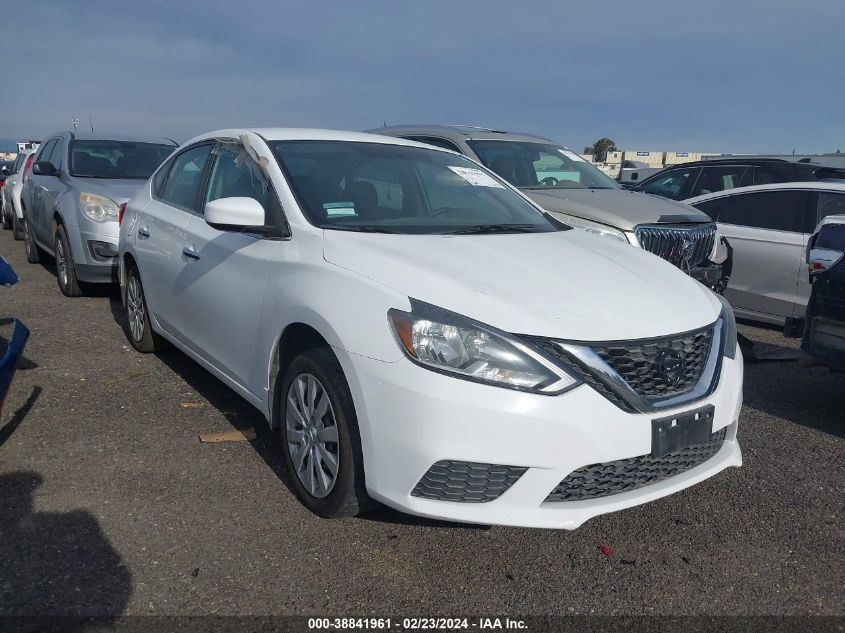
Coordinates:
[761,76]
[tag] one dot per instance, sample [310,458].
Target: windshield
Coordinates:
[531,165]
[387,188]
[116,159]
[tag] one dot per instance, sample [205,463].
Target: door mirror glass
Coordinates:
[44,168]
[234,212]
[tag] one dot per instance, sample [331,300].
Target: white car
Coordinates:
[421,334]
[768,227]
[10,202]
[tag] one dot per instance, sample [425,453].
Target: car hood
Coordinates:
[567,284]
[118,190]
[615,207]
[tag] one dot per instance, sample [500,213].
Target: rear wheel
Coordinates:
[320,438]
[141,335]
[17,227]
[33,253]
[65,268]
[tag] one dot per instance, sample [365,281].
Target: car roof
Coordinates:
[817,185]
[465,132]
[109,136]
[310,134]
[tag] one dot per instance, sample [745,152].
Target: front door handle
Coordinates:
[143,232]
[187,251]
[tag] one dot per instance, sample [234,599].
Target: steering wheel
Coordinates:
[551,181]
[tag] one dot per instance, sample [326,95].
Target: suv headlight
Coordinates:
[449,343]
[98,208]
[728,327]
[591,227]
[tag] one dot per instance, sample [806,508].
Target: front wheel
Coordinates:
[7,218]
[140,332]
[320,438]
[65,267]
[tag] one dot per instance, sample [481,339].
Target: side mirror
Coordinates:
[44,168]
[234,213]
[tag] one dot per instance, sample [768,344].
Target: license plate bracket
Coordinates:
[677,432]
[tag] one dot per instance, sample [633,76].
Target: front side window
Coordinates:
[675,183]
[721,178]
[116,159]
[57,154]
[388,188]
[531,165]
[181,188]
[45,150]
[773,210]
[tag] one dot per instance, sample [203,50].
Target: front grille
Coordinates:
[624,475]
[640,363]
[682,246]
[466,482]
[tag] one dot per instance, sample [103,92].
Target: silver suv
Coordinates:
[580,195]
[71,201]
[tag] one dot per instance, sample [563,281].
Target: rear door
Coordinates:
[221,284]
[765,230]
[160,233]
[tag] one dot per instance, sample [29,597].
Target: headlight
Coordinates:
[449,343]
[591,227]
[728,327]
[98,208]
[720,250]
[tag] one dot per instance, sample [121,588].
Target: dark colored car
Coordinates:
[681,182]
[20,335]
[824,327]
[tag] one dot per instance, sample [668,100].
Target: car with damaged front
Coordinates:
[421,334]
[579,194]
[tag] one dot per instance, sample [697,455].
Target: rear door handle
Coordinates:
[143,232]
[187,251]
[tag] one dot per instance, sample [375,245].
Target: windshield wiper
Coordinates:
[357,229]
[493,228]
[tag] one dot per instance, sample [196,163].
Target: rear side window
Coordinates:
[831,236]
[184,178]
[772,210]
[714,179]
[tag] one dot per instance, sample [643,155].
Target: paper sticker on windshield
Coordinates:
[339,209]
[476,177]
[572,155]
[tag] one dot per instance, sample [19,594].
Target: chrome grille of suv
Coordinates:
[681,245]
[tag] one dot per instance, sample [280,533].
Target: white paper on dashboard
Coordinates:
[476,177]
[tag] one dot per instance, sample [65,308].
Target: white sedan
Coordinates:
[421,334]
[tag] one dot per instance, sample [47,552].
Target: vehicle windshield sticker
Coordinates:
[572,155]
[476,177]
[339,209]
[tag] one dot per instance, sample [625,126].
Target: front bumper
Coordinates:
[411,418]
[95,253]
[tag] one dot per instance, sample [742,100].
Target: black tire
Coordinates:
[144,340]
[348,495]
[33,253]
[7,219]
[65,267]
[17,227]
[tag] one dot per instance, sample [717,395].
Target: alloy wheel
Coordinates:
[312,435]
[61,259]
[135,308]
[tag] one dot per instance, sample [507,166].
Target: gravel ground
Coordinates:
[110,505]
